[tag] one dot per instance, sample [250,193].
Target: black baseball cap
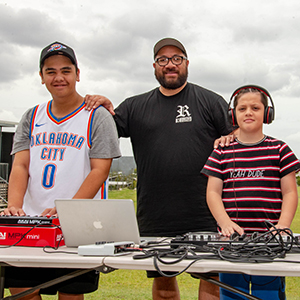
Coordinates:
[58,48]
[168,42]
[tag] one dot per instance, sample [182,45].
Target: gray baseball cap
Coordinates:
[168,42]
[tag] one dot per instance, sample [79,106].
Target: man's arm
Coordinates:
[216,206]
[18,181]
[289,200]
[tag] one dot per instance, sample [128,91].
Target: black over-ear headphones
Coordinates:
[269,110]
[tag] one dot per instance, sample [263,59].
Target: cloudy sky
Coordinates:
[229,43]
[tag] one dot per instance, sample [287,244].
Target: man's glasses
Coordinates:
[176,60]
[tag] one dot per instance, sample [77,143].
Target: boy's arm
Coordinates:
[92,183]
[289,200]
[216,206]
[18,181]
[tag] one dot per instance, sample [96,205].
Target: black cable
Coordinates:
[255,248]
[264,246]
[171,275]
[233,184]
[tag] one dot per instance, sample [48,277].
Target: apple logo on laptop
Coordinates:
[97,224]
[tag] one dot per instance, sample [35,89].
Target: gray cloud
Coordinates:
[229,43]
[258,33]
[22,35]
[27,27]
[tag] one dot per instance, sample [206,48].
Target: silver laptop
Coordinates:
[86,221]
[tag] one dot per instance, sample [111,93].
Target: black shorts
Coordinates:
[30,277]
[155,274]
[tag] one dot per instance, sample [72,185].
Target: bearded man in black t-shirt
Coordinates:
[172,130]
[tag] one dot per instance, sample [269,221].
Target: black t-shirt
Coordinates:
[172,137]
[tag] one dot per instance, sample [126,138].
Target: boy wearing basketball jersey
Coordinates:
[61,151]
[252,181]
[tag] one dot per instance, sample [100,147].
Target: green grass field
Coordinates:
[134,285]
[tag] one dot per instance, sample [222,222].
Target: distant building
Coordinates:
[124,164]
[6,141]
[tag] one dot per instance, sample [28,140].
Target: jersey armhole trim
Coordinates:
[90,127]
[33,115]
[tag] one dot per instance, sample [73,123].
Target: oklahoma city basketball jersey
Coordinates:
[59,156]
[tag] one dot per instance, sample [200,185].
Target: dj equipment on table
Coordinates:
[30,231]
[263,247]
[28,220]
[205,240]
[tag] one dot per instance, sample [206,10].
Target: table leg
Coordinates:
[2,278]
[224,285]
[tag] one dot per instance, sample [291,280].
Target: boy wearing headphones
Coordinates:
[250,182]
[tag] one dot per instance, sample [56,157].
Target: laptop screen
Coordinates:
[89,221]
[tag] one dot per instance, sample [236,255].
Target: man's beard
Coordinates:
[172,85]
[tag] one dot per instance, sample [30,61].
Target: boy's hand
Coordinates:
[280,226]
[230,227]
[93,101]
[49,212]
[13,211]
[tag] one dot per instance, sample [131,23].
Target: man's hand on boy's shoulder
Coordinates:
[225,140]
[93,101]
